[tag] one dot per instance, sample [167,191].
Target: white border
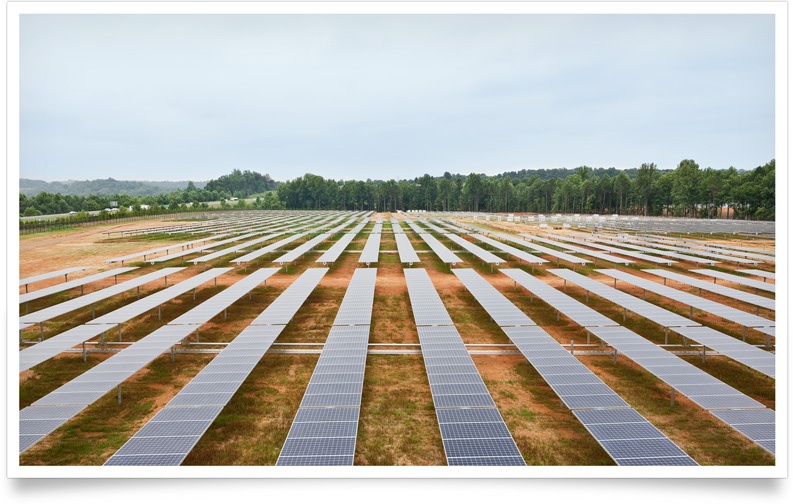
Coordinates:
[15,9]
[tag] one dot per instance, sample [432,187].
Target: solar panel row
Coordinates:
[765,286]
[371,251]
[577,387]
[51,347]
[96,382]
[94,297]
[740,351]
[612,240]
[746,297]
[456,385]
[172,433]
[520,254]
[703,389]
[52,274]
[335,251]
[579,250]
[78,282]
[479,252]
[740,317]
[614,250]
[545,250]
[326,425]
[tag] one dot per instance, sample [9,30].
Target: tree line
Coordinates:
[686,191]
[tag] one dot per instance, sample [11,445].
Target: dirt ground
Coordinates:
[545,431]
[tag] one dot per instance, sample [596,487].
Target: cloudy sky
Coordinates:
[191,97]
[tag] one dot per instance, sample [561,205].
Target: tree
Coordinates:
[686,189]
[645,184]
[622,186]
[473,190]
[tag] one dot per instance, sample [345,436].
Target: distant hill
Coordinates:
[102,187]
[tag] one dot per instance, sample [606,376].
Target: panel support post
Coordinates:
[225,314]
[193,293]
[672,397]
[666,335]
[138,291]
[691,312]
[703,354]
[84,358]
[615,283]
[624,314]
[564,286]
[572,347]
[118,391]
[93,312]
[587,336]
[744,333]
[82,291]
[159,312]
[644,295]
[41,331]
[216,281]
[166,280]
[557,315]
[172,355]
[587,296]
[768,341]
[615,356]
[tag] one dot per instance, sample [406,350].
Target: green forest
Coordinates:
[686,191]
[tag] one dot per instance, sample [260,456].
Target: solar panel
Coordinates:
[697,247]
[236,248]
[479,252]
[703,253]
[326,423]
[738,350]
[52,274]
[665,253]
[443,253]
[269,248]
[406,252]
[444,351]
[164,249]
[717,288]
[578,388]
[757,272]
[335,251]
[302,249]
[94,297]
[520,254]
[148,348]
[371,250]
[614,250]
[579,250]
[717,395]
[205,389]
[545,250]
[47,291]
[726,312]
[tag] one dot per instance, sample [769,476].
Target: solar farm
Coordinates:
[330,338]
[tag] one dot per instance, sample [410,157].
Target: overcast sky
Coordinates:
[190,97]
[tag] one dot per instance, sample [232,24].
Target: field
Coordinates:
[398,425]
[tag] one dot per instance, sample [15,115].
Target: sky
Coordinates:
[192,97]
